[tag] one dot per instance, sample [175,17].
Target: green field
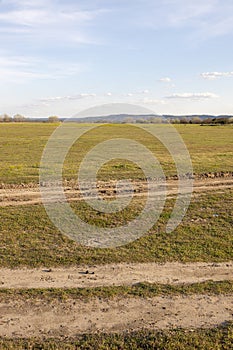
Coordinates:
[21,147]
[29,238]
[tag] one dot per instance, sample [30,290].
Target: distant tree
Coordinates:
[184,120]
[141,121]
[19,118]
[221,121]
[208,121]
[128,120]
[196,120]
[53,119]
[6,118]
[156,120]
[175,120]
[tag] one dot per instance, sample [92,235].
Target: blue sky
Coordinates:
[58,57]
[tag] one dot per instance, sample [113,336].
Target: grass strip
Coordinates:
[220,338]
[28,238]
[138,290]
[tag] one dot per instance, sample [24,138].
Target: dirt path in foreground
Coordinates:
[40,318]
[29,196]
[115,274]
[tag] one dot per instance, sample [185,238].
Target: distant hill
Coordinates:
[146,118]
[115,118]
[134,118]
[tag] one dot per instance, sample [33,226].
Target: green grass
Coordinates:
[220,338]
[21,147]
[28,238]
[144,290]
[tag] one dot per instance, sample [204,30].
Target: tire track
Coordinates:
[115,275]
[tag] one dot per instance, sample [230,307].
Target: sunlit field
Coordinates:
[29,240]
[22,145]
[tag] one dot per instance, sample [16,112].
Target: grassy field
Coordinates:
[21,147]
[201,339]
[28,238]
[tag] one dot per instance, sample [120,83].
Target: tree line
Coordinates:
[18,118]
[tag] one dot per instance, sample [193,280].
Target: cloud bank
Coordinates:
[193,96]
[216,75]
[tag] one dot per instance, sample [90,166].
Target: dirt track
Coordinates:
[27,196]
[37,317]
[40,318]
[115,274]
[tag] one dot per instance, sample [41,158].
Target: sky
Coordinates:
[59,57]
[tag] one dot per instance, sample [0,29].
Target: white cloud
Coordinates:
[19,69]
[193,96]
[36,17]
[26,3]
[185,12]
[215,20]
[82,95]
[67,98]
[176,13]
[153,101]
[165,80]
[138,93]
[54,99]
[205,19]
[46,21]
[216,75]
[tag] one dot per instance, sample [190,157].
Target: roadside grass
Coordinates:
[219,338]
[28,238]
[21,147]
[141,290]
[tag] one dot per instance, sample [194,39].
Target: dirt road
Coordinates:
[115,274]
[28,196]
[40,318]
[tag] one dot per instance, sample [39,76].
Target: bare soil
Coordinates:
[115,275]
[13,196]
[35,317]
[38,318]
